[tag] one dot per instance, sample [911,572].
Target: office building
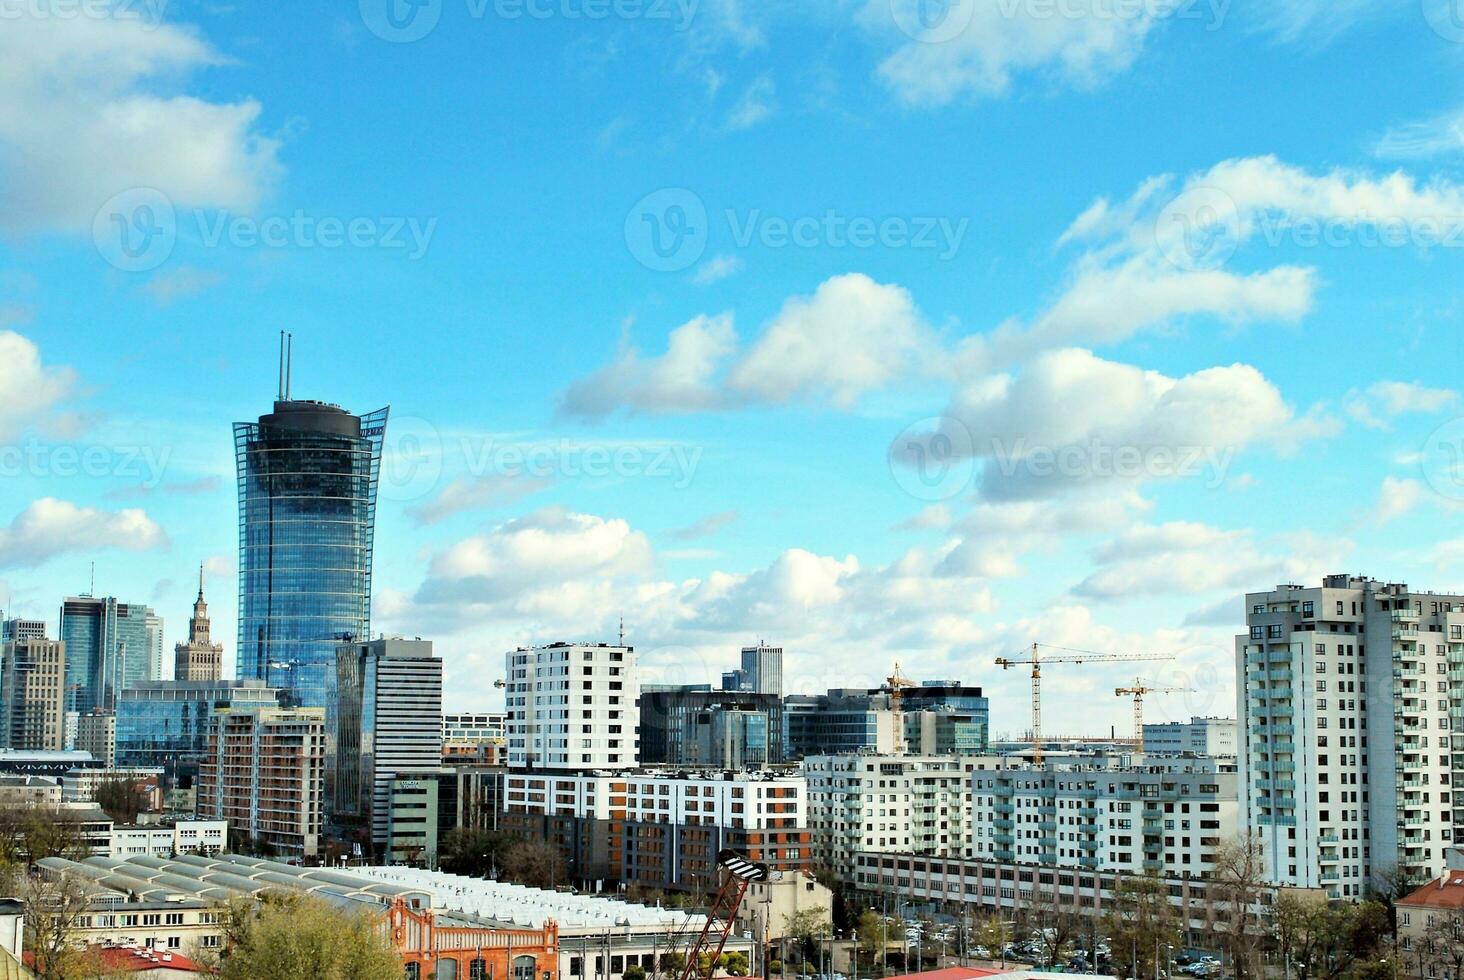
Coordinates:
[199,659]
[761,671]
[660,828]
[22,629]
[896,803]
[691,726]
[32,694]
[307,511]
[264,773]
[96,732]
[1346,697]
[935,718]
[1164,816]
[388,723]
[1198,736]
[152,625]
[572,706]
[166,840]
[108,649]
[473,727]
[410,818]
[165,724]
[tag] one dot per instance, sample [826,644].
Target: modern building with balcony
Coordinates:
[1347,700]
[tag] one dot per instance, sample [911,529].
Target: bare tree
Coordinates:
[1444,937]
[1061,923]
[1235,885]
[536,863]
[53,909]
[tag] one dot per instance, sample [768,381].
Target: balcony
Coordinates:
[1004,839]
[1047,810]
[1004,854]
[1005,809]
[1088,828]
[1004,824]
[1090,862]
[1047,825]
[1088,845]
[1089,812]
[1150,864]
[1328,839]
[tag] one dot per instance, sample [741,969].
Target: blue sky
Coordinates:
[888,329]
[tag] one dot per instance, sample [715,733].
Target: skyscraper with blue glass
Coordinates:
[307,511]
[113,643]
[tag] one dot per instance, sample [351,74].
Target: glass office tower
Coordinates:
[166,723]
[109,647]
[307,510]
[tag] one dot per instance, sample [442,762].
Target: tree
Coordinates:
[1444,942]
[535,863]
[53,909]
[671,964]
[1061,924]
[808,928]
[1325,940]
[1141,925]
[994,934]
[635,972]
[122,800]
[736,964]
[302,938]
[473,852]
[1236,882]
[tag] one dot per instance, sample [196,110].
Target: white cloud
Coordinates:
[184,282]
[1427,138]
[706,527]
[1071,420]
[90,107]
[1383,401]
[979,47]
[50,527]
[758,103]
[32,391]
[1396,498]
[470,493]
[852,336]
[1318,21]
[681,380]
[1188,558]
[995,536]
[717,269]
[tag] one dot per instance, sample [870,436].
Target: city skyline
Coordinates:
[641,367]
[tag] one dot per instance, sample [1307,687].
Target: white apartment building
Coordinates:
[1130,814]
[573,706]
[741,800]
[474,726]
[167,840]
[1198,736]
[888,803]
[1347,697]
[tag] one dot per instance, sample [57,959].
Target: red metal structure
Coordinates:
[739,872]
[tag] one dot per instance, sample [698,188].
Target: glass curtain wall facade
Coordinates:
[307,511]
[108,649]
[165,724]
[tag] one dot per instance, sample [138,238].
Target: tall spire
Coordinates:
[200,580]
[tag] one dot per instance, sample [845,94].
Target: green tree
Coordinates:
[808,928]
[635,972]
[736,964]
[122,800]
[1141,925]
[1326,940]
[302,938]
[993,933]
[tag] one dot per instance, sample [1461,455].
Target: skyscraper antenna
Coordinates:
[91,590]
[200,580]
[289,368]
[622,631]
[280,388]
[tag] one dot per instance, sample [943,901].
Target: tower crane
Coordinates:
[1138,691]
[897,682]
[738,872]
[1036,660]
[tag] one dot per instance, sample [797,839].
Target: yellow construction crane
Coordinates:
[1138,691]
[1036,660]
[897,682]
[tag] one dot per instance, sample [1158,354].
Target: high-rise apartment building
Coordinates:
[388,724]
[307,513]
[572,706]
[264,773]
[199,659]
[165,724]
[761,671]
[96,732]
[153,633]
[110,646]
[1347,699]
[32,694]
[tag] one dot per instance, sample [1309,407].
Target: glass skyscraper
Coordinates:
[109,647]
[166,723]
[307,510]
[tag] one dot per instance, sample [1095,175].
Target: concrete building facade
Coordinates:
[572,706]
[32,694]
[1198,736]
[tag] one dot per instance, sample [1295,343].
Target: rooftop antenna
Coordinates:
[91,590]
[622,631]
[289,357]
[280,388]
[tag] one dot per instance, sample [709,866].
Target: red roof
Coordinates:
[949,973]
[129,959]
[1441,893]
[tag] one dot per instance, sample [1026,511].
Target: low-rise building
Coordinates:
[1198,736]
[82,785]
[770,904]
[661,828]
[96,732]
[24,791]
[166,840]
[1430,920]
